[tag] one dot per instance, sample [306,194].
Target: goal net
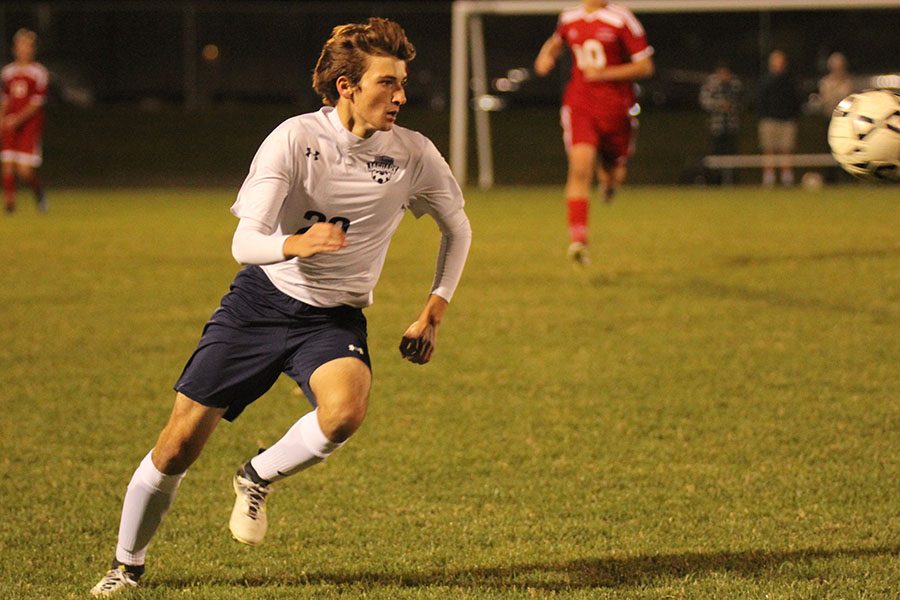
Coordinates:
[494,43]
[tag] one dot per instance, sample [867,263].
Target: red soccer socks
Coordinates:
[578,219]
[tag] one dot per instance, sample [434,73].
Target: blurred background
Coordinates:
[182,93]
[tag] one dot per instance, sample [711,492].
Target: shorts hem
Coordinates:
[21,158]
[206,401]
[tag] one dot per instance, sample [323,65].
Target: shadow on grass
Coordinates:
[612,572]
[772,297]
[749,261]
[746,260]
[778,298]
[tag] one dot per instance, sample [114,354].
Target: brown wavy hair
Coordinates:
[347,50]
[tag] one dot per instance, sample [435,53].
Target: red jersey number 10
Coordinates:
[590,54]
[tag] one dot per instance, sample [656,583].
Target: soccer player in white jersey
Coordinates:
[323,197]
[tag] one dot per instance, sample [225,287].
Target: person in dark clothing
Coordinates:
[779,106]
[720,96]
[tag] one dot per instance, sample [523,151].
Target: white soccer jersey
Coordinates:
[311,169]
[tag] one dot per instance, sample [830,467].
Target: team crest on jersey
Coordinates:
[382,168]
[605,35]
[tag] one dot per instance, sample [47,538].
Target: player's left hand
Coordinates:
[418,342]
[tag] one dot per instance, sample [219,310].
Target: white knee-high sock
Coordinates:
[149,496]
[303,446]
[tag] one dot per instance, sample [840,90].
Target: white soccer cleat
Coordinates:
[115,580]
[248,517]
[579,253]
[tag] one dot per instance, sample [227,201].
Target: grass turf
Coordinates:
[709,411]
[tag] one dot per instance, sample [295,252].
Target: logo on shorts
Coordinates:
[382,168]
[353,348]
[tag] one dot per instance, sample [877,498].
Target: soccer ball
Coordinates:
[864,134]
[812,181]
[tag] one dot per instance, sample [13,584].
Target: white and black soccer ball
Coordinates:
[864,134]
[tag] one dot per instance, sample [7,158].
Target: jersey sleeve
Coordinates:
[272,173]
[41,80]
[634,38]
[251,245]
[435,190]
[4,95]
[437,193]
[560,28]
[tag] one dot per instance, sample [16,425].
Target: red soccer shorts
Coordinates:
[613,135]
[23,144]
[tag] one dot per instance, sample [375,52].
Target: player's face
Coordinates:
[378,97]
[23,49]
[777,62]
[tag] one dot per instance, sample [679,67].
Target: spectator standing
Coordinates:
[835,85]
[720,96]
[779,106]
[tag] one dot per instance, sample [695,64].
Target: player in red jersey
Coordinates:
[609,51]
[22,119]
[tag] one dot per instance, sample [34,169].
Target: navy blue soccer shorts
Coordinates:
[259,332]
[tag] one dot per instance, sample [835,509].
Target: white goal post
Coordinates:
[467,44]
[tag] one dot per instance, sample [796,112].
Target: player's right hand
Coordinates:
[321,237]
[543,65]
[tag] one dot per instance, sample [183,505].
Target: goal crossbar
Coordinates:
[467,44]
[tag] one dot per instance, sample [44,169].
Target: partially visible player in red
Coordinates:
[22,119]
[609,51]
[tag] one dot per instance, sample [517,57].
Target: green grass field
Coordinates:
[711,410]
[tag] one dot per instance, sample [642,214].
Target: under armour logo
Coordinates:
[353,348]
[313,153]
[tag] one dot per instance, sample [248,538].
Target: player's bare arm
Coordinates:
[639,69]
[14,120]
[3,115]
[546,58]
[419,339]
[321,237]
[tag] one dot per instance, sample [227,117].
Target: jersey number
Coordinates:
[19,89]
[317,217]
[590,54]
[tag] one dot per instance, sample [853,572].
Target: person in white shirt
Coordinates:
[325,193]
